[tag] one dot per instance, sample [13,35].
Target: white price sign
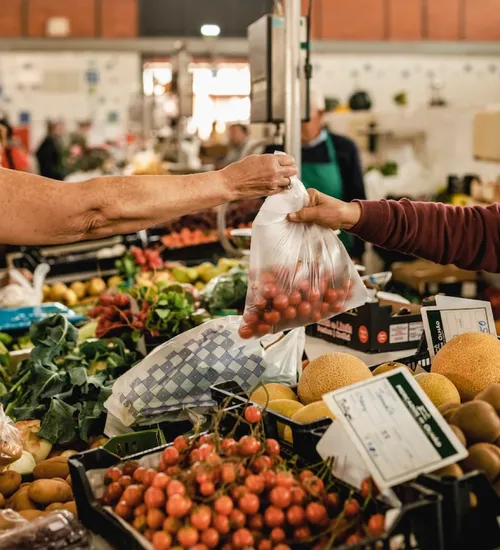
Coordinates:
[395,428]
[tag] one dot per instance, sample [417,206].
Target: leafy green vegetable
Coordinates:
[227,291]
[6,339]
[58,385]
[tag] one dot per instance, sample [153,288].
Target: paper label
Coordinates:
[399,334]
[397,430]
[453,317]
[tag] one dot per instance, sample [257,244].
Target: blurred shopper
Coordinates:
[50,154]
[239,143]
[14,157]
[80,137]
[466,237]
[331,165]
[40,211]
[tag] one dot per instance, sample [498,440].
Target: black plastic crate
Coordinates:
[418,524]
[462,518]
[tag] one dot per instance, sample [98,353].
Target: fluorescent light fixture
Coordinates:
[210,30]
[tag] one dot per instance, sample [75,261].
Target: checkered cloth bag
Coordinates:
[179,373]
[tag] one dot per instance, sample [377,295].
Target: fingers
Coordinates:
[304,216]
[285,160]
[288,171]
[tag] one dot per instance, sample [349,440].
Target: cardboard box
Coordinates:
[429,279]
[374,327]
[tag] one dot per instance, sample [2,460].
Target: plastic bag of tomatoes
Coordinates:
[299,273]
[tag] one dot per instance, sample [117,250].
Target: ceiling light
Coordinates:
[210,30]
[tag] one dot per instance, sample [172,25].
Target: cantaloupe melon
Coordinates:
[272,391]
[286,407]
[471,361]
[387,367]
[309,413]
[328,373]
[438,388]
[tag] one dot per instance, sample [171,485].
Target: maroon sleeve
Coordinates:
[467,237]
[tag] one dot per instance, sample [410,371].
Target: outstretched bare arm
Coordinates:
[36,210]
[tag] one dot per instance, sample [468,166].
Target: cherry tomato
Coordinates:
[353,539]
[277,535]
[290,313]
[181,443]
[125,481]
[161,480]
[172,525]
[263,329]
[130,467]
[262,463]
[242,538]
[282,546]
[113,492]
[188,536]
[173,470]
[280,497]
[325,309]
[171,456]
[238,518]
[273,447]
[304,309]
[154,497]
[113,474]
[274,517]
[221,523]
[302,533]
[155,518]
[280,302]
[333,501]
[316,513]
[351,507]
[178,506]
[139,474]
[201,518]
[256,522]
[267,278]
[331,296]
[246,332]
[298,495]
[161,540]
[316,316]
[313,485]
[210,537]
[314,295]
[249,504]
[149,476]
[132,496]
[228,445]
[253,414]
[227,473]
[269,291]
[270,478]
[140,523]
[224,505]
[255,484]
[260,302]
[250,317]
[249,446]
[272,317]
[305,474]
[295,515]
[205,449]
[285,479]
[265,544]
[376,525]
[368,488]
[140,510]
[207,489]
[176,487]
[123,510]
[238,492]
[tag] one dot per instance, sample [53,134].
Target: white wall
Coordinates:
[55,86]
[468,81]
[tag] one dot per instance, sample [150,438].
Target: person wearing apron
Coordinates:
[326,178]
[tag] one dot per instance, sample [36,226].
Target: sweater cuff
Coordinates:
[372,215]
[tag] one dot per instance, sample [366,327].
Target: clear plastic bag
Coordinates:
[11,445]
[299,273]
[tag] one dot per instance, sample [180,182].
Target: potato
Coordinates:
[485,457]
[52,467]
[68,481]
[30,515]
[68,453]
[99,442]
[47,491]
[2,501]
[71,507]
[21,500]
[9,482]
[55,506]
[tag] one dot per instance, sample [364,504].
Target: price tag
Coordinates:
[454,316]
[395,427]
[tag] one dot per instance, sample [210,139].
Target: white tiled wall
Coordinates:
[55,86]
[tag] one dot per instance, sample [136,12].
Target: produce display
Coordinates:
[220,492]
[78,292]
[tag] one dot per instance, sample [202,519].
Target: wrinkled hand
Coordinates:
[258,176]
[328,212]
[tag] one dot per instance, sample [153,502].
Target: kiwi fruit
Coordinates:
[478,421]
[452,470]
[460,434]
[448,410]
[491,394]
[485,457]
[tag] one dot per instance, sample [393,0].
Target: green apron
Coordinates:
[326,178]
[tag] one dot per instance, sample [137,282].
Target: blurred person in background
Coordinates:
[331,165]
[50,154]
[239,144]
[13,155]
[80,137]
